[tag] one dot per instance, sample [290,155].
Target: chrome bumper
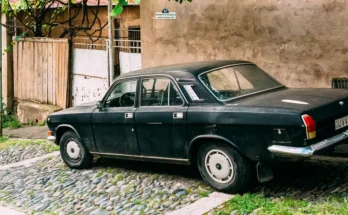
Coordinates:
[308,151]
[51,138]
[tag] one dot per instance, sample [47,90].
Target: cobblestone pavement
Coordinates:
[16,150]
[112,187]
[311,180]
[124,187]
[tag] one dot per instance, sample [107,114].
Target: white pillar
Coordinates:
[111,43]
[7,71]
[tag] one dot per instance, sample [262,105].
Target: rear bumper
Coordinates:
[308,151]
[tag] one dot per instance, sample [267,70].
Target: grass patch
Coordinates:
[248,203]
[10,121]
[3,139]
[43,123]
[42,144]
[204,193]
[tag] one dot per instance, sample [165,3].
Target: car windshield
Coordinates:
[235,81]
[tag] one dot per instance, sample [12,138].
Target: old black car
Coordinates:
[229,118]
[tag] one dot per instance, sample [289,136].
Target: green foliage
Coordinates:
[34,17]
[42,123]
[260,205]
[16,39]
[204,193]
[118,9]
[3,139]
[9,120]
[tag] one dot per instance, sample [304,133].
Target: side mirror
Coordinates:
[100,106]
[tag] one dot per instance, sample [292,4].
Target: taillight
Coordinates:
[311,126]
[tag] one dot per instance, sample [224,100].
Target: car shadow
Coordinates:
[150,167]
[311,180]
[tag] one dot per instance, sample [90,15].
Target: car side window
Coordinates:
[159,92]
[227,83]
[123,95]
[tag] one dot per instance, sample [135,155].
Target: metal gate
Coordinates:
[127,50]
[89,70]
[90,64]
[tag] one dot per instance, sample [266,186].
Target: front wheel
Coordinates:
[73,152]
[224,168]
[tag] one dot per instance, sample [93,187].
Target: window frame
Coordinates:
[237,97]
[113,86]
[170,83]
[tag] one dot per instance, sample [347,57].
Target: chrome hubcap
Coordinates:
[73,149]
[219,166]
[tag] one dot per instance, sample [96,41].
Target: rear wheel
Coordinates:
[224,168]
[73,152]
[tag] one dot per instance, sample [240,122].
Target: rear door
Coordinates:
[160,119]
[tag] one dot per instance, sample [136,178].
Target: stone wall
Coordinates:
[300,43]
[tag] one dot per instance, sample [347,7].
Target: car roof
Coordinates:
[185,70]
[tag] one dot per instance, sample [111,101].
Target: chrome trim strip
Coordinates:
[233,65]
[140,156]
[308,151]
[51,138]
[185,79]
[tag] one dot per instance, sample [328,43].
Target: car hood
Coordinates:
[299,99]
[83,108]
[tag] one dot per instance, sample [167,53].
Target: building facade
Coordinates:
[300,43]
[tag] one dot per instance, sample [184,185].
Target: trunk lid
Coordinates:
[324,105]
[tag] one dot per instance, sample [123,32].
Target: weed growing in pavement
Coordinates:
[43,123]
[204,193]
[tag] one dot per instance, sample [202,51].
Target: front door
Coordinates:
[113,126]
[161,119]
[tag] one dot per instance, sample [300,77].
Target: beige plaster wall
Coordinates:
[301,43]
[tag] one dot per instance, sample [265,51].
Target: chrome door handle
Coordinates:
[178,115]
[128,115]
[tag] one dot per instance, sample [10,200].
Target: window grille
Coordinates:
[340,83]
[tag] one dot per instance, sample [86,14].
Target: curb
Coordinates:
[203,205]
[8,211]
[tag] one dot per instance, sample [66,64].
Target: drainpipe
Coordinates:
[110,44]
[2,31]
[1,77]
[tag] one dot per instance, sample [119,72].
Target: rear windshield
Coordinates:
[235,81]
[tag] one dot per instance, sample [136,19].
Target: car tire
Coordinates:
[73,151]
[224,168]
